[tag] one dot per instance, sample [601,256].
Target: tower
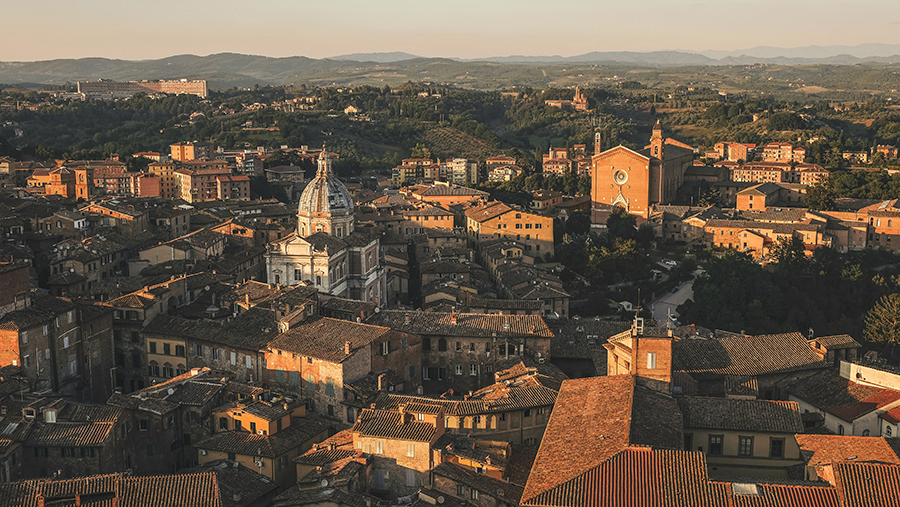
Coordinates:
[656,141]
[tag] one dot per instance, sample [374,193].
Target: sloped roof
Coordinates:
[841,397]
[744,355]
[819,449]
[324,338]
[387,424]
[268,446]
[747,415]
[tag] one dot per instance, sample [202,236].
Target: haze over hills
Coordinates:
[226,70]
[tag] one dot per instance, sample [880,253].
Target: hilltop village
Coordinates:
[167,340]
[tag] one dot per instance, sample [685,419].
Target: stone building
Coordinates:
[460,350]
[326,247]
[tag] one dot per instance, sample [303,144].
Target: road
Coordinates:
[666,304]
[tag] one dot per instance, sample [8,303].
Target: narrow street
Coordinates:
[668,302]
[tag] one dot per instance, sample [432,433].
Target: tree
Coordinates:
[883,321]
[621,224]
[420,151]
[579,223]
[820,197]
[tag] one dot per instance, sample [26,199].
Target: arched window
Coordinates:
[426,343]
[840,429]
[887,431]
[442,345]
[865,433]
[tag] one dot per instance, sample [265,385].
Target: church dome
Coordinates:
[325,194]
[325,205]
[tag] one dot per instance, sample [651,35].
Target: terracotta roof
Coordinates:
[487,211]
[744,355]
[73,434]
[841,341]
[747,415]
[467,324]
[819,449]
[299,432]
[238,485]
[386,424]
[867,485]
[593,420]
[324,338]
[505,492]
[841,397]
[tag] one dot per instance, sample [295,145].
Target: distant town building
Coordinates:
[106,89]
[578,103]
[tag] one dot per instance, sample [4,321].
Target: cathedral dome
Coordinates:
[324,199]
[325,194]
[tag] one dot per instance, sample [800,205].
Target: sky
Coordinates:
[136,30]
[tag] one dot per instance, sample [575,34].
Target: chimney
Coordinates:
[285,406]
[671,332]
[381,379]
[453,315]
[402,409]
[347,348]
[247,299]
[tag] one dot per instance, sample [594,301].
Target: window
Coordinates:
[379,447]
[425,373]
[410,478]
[385,348]
[282,462]
[253,427]
[403,343]
[24,336]
[410,450]
[865,433]
[87,452]
[745,446]
[153,347]
[233,358]
[329,387]
[412,372]
[888,431]
[776,447]
[715,445]
[473,369]
[179,350]
[460,490]
[143,424]
[442,345]
[65,342]
[651,360]
[688,441]
[248,361]
[167,349]
[459,346]
[310,382]
[442,373]
[216,354]
[426,343]
[279,375]
[198,350]
[840,429]
[474,494]
[459,369]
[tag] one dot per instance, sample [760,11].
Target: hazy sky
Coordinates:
[130,29]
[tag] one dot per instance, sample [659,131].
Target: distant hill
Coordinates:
[862,51]
[396,56]
[227,70]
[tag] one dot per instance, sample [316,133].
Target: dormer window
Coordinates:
[28,413]
[50,416]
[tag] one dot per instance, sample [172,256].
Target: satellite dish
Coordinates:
[324,482]
[206,288]
[71,270]
[170,391]
[440,499]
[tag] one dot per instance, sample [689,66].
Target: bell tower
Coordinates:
[656,141]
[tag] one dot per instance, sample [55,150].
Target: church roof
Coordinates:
[325,194]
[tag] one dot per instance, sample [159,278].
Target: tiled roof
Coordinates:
[43,309]
[867,485]
[262,409]
[467,448]
[744,355]
[71,434]
[296,497]
[741,386]
[268,446]
[238,486]
[819,449]
[324,338]
[504,492]
[467,324]
[387,424]
[322,241]
[636,476]
[746,415]
[841,341]
[593,420]
[841,397]
[504,304]
[487,211]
